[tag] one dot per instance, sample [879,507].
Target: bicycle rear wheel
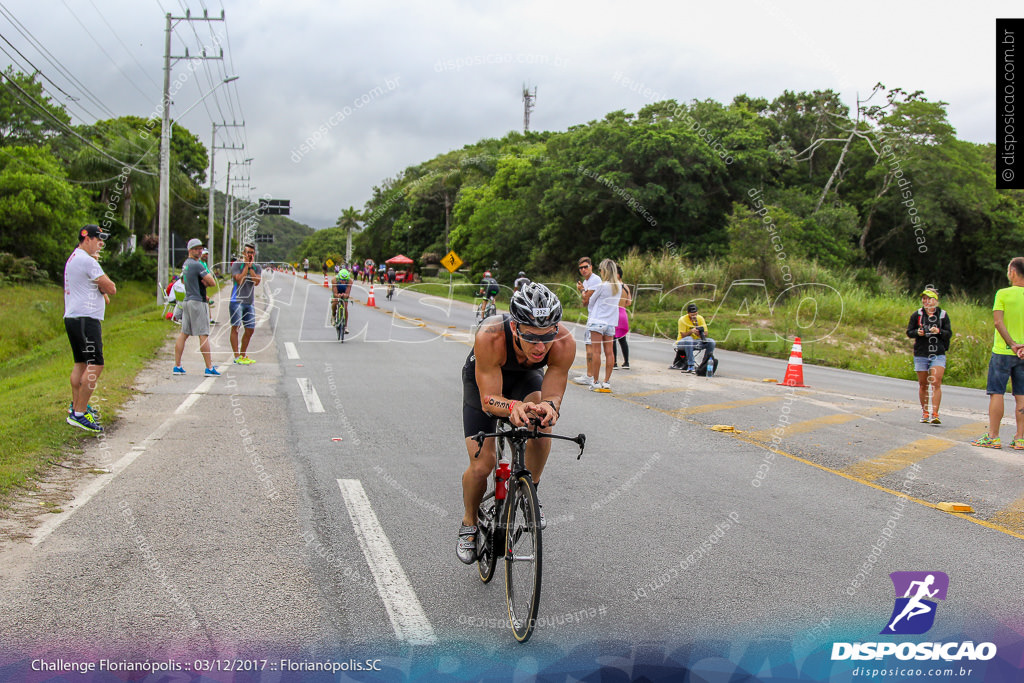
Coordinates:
[522,556]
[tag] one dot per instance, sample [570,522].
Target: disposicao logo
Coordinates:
[914,614]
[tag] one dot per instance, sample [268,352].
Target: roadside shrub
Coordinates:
[20,270]
[137,266]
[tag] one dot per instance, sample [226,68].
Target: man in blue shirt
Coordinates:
[245,275]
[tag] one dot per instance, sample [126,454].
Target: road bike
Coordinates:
[486,309]
[508,522]
[391,290]
[340,320]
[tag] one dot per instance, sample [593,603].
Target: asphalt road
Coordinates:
[306,507]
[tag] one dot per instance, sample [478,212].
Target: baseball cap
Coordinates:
[205,250]
[193,243]
[930,293]
[92,231]
[691,308]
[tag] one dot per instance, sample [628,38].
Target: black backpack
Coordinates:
[708,367]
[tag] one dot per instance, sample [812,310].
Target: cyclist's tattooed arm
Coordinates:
[498,402]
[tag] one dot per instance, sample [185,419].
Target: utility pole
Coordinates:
[210,241]
[528,106]
[228,208]
[227,202]
[163,229]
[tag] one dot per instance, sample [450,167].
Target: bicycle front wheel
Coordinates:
[522,556]
[491,310]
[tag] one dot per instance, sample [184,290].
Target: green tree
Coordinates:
[321,245]
[349,222]
[27,115]
[39,209]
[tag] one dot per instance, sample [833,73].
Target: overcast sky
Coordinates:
[448,73]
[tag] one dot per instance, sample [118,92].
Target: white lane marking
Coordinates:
[51,524]
[400,601]
[289,348]
[309,395]
[203,388]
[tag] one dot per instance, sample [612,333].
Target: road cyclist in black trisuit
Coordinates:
[489,288]
[504,376]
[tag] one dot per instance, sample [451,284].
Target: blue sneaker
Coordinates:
[178,370]
[86,422]
[212,372]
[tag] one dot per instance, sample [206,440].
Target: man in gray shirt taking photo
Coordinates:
[195,316]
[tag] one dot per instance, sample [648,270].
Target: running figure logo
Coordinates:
[914,612]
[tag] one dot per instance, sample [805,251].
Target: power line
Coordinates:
[48,56]
[44,110]
[34,67]
[15,62]
[126,48]
[102,49]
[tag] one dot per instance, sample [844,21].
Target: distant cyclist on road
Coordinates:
[504,376]
[341,292]
[489,289]
[521,281]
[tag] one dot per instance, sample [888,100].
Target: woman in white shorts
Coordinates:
[601,322]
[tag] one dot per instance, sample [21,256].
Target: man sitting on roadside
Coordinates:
[692,337]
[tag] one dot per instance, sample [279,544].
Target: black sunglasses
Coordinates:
[585,265]
[539,338]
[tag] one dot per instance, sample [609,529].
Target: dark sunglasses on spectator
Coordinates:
[539,338]
[585,265]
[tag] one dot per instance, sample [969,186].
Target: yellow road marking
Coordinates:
[803,427]
[655,392]
[1012,515]
[898,458]
[969,429]
[709,407]
[1004,523]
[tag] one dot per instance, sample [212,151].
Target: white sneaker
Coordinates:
[603,387]
[584,380]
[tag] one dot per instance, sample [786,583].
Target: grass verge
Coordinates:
[35,362]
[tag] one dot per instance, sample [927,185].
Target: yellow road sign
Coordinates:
[330,263]
[451,261]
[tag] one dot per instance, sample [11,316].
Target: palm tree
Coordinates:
[349,221]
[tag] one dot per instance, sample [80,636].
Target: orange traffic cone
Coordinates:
[370,301]
[795,369]
[326,286]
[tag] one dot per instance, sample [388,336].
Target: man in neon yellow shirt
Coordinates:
[692,337]
[1006,362]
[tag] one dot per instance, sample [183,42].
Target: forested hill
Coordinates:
[287,234]
[890,185]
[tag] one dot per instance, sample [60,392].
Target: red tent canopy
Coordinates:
[400,260]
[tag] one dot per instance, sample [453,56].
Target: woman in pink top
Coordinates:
[622,329]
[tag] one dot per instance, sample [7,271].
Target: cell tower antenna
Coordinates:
[528,106]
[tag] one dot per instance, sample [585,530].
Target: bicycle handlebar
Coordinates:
[526,433]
